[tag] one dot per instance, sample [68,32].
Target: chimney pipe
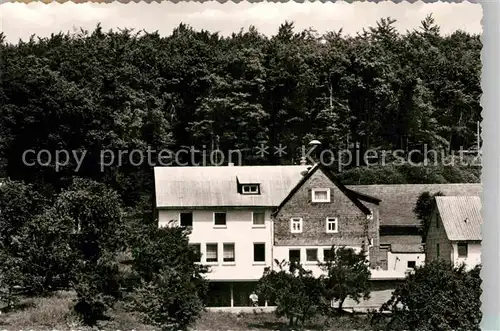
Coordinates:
[303,161]
[230,164]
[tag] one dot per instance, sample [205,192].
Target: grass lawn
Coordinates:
[55,312]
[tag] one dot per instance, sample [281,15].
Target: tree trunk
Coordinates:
[341,303]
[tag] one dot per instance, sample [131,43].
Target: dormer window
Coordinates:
[321,195]
[250,189]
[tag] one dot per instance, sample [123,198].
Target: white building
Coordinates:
[455,230]
[243,218]
[229,212]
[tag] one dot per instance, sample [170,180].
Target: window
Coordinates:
[321,195]
[228,253]
[250,189]
[296,225]
[437,250]
[186,219]
[259,252]
[462,249]
[411,264]
[327,254]
[220,219]
[197,249]
[294,255]
[259,218]
[212,255]
[311,255]
[331,225]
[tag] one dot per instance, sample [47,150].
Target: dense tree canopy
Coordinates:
[437,296]
[119,90]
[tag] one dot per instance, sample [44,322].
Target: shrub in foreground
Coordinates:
[437,296]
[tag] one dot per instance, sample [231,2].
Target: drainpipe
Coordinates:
[271,227]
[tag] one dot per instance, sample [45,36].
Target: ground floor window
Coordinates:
[218,295]
[241,294]
[221,294]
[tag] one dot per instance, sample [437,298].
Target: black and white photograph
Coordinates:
[241,166]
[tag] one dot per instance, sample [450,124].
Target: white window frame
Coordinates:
[314,190]
[336,221]
[251,188]
[253,220]
[294,220]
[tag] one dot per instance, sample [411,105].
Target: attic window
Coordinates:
[321,195]
[250,189]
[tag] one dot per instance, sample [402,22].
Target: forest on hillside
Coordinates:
[125,90]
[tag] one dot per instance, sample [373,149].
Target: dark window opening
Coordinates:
[220,218]
[312,255]
[462,249]
[186,219]
[327,254]
[259,252]
[411,264]
[294,255]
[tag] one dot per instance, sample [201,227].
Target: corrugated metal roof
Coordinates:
[398,201]
[217,186]
[461,217]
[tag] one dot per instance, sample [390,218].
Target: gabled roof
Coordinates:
[398,200]
[461,217]
[352,195]
[191,187]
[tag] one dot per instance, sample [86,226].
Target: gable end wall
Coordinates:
[352,223]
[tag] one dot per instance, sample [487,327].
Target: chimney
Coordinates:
[303,161]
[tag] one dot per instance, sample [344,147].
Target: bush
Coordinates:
[94,214]
[347,275]
[298,295]
[172,287]
[437,296]
[35,252]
